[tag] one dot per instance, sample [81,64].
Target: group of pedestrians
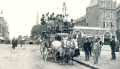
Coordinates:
[14,43]
[93,48]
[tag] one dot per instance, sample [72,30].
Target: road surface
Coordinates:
[28,57]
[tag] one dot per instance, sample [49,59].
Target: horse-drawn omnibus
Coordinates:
[57,50]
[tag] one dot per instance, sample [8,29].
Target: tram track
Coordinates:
[84,64]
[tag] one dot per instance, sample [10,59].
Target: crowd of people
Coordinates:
[70,46]
[14,43]
[93,48]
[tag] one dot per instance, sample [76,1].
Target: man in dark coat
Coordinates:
[86,47]
[113,46]
[14,43]
[117,46]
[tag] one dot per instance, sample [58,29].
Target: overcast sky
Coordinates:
[21,14]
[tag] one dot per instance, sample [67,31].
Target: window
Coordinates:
[111,24]
[103,24]
[87,24]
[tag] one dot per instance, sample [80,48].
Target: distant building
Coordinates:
[118,22]
[80,21]
[118,17]
[4,33]
[100,13]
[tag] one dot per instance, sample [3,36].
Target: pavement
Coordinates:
[105,61]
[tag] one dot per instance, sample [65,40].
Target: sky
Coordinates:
[21,14]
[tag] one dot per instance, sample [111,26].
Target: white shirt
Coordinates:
[96,45]
[65,43]
[68,43]
[75,43]
[56,44]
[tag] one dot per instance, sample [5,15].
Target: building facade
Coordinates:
[100,13]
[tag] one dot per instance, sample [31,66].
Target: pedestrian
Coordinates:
[79,41]
[90,47]
[117,46]
[101,44]
[21,43]
[56,45]
[113,46]
[16,42]
[75,44]
[86,47]
[13,43]
[67,49]
[96,51]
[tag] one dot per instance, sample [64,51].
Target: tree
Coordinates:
[36,30]
[43,19]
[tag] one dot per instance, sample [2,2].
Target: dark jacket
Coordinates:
[14,42]
[113,45]
[87,46]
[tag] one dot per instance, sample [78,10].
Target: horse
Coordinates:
[44,50]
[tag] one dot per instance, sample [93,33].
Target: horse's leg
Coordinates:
[71,55]
[54,55]
[62,57]
[72,58]
[45,55]
[41,49]
[42,52]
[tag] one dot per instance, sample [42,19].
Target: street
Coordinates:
[28,57]
[76,34]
